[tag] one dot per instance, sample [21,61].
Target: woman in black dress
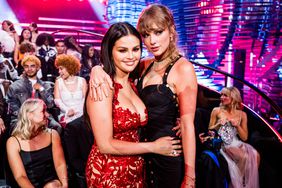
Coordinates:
[35,152]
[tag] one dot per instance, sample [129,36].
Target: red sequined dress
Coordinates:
[105,170]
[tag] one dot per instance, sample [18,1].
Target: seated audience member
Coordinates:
[30,86]
[7,70]
[69,92]
[212,168]
[26,48]
[72,47]
[35,152]
[2,130]
[4,86]
[2,110]
[231,123]
[46,52]
[90,58]
[60,47]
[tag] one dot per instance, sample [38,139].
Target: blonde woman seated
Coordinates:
[34,152]
[231,122]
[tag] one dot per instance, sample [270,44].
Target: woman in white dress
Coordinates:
[69,93]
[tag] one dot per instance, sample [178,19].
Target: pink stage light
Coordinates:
[71,27]
[70,20]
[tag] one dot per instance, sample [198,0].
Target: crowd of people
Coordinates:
[35,66]
[79,117]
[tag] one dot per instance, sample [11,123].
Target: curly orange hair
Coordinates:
[70,62]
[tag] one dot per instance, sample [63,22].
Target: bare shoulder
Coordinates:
[55,134]
[216,110]
[184,65]
[183,71]
[11,140]
[12,144]
[244,114]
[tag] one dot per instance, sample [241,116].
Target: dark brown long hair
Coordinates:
[114,33]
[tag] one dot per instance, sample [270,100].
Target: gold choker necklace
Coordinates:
[166,60]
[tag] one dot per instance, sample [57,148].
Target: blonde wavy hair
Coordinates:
[24,127]
[234,94]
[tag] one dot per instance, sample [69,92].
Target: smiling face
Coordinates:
[91,51]
[126,54]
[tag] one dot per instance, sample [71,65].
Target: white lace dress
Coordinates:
[241,158]
[72,99]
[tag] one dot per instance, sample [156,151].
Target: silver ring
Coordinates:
[174,152]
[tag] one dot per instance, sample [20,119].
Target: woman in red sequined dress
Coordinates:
[115,159]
